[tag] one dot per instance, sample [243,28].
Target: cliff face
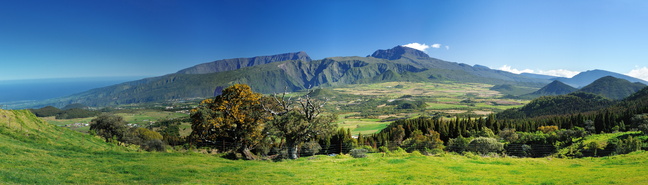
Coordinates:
[237,63]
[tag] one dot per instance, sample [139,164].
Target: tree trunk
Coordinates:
[247,154]
[292,150]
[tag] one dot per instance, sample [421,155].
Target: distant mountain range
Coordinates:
[294,71]
[608,87]
[587,77]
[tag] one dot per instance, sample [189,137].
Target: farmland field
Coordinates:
[441,98]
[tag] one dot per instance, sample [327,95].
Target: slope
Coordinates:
[587,77]
[613,88]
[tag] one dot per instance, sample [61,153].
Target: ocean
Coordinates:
[42,89]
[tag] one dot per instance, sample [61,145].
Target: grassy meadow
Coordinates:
[35,152]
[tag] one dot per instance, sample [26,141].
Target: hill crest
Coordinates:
[613,88]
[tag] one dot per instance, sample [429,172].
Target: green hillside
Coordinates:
[576,102]
[613,88]
[34,152]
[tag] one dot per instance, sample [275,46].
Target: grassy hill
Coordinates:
[35,152]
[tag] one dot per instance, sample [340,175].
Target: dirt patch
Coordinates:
[481,112]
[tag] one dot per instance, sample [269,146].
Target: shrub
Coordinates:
[153,145]
[485,145]
[359,153]
[459,144]
[422,143]
[508,135]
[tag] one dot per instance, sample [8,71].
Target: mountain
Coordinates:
[613,88]
[554,88]
[587,77]
[269,75]
[237,63]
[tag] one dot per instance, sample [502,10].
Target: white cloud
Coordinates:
[559,73]
[641,73]
[516,71]
[553,72]
[424,47]
[418,46]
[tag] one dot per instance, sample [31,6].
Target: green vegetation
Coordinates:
[55,155]
[613,88]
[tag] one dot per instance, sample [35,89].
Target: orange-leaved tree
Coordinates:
[236,115]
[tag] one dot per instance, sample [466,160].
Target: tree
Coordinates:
[235,115]
[298,123]
[110,127]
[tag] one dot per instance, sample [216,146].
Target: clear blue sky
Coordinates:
[82,38]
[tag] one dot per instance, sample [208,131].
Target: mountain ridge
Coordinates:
[585,78]
[274,76]
[237,63]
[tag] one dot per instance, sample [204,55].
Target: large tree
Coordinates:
[235,115]
[299,123]
[110,127]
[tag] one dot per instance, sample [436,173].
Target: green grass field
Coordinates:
[35,152]
[140,117]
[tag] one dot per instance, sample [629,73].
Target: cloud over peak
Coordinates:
[424,47]
[641,73]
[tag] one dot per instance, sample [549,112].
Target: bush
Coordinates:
[459,144]
[485,145]
[359,153]
[154,145]
[508,135]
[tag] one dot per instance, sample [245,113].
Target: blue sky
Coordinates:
[80,38]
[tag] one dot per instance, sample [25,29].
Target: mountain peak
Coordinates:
[555,88]
[399,52]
